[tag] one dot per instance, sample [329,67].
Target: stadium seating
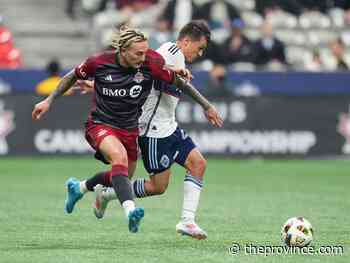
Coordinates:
[41,30]
[44,29]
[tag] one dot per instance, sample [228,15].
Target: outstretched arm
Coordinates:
[191,91]
[65,84]
[210,111]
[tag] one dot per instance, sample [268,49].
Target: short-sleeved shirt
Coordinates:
[120,92]
[158,112]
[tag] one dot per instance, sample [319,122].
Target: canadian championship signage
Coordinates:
[262,126]
[269,126]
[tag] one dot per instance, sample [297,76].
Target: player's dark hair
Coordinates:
[195,29]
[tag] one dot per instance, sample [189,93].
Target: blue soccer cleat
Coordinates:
[135,217]
[73,194]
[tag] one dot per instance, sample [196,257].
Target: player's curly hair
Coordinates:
[125,36]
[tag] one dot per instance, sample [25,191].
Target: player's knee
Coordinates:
[203,163]
[199,165]
[117,158]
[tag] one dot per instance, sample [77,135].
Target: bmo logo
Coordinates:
[134,92]
[114,93]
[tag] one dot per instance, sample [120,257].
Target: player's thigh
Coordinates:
[156,154]
[129,140]
[186,152]
[113,150]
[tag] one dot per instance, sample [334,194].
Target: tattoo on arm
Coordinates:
[191,91]
[65,84]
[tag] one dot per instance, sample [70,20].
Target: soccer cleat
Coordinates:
[100,204]
[73,194]
[135,217]
[191,229]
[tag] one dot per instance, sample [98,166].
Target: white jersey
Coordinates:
[158,112]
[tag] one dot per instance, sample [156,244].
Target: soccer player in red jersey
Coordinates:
[122,81]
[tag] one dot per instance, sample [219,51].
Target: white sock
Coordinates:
[82,187]
[128,206]
[109,194]
[192,192]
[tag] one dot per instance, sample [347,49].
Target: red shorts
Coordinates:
[95,133]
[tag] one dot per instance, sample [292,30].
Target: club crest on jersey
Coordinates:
[164,161]
[138,78]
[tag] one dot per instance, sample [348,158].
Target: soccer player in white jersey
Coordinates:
[162,142]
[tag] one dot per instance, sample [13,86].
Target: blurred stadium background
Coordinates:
[278,71]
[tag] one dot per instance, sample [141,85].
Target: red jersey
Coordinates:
[120,92]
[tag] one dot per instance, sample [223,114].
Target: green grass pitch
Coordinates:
[243,202]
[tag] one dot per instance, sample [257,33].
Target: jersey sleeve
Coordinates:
[86,69]
[174,59]
[157,67]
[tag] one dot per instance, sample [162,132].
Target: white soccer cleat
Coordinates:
[100,203]
[191,229]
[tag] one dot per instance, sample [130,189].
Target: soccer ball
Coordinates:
[297,231]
